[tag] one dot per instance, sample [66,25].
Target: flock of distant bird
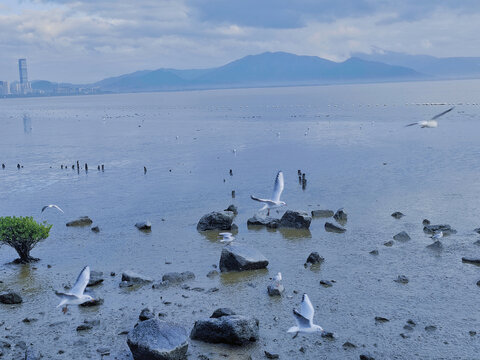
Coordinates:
[303,317]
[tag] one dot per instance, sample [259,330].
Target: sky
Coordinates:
[83,41]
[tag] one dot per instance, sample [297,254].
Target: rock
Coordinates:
[146,314]
[472,333]
[94,302]
[81,221]
[430,328]
[95,229]
[175,277]
[389,243]
[270,355]
[238,257]
[10,298]
[474,261]
[328,335]
[437,245]
[425,222]
[408,327]
[397,215]
[227,329]
[258,220]
[30,354]
[96,278]
[232,208]
[478,283]
[348,345]
[402,236]
[132,278]
[157,340]
[314,258]
[222,312]
[84,327]
[216,220]
[212,273]
[381,319]
[144,225]
[103,351]
[477,230]
[275,288]
[334,228]
[295,220]
[322,213]
[326,283]
[340,216]
[432,229]
[402,279]
[477,242]
[366,357]
[374,252]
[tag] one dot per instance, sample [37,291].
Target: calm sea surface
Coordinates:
[351,142]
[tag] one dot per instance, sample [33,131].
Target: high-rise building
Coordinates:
[4,88]
[22,71]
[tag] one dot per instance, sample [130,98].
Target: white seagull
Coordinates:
[304,319]
[432,123]
[277,192]
[76,296]
[227,237]
[437,236]
[51,206]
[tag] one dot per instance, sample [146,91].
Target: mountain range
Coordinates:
[285,69]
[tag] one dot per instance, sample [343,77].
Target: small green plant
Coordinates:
[23,233]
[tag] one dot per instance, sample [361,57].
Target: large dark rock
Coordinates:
[158,340]
[401,236]
[340,216]
[469,260]
[144,225]
[238,257]
[295,219]
[227,329]
[81,221]
[322,213]
[334,228]
[314,258]
[446,229]
[10,298]
[216,220]
[258,220]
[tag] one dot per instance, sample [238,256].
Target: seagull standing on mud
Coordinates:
[432,123]
[51,206]
[227,237]
[304,319]
[76,295]
[277,192]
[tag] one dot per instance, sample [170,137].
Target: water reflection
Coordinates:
[27,124]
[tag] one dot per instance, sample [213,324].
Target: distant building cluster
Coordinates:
[22,87]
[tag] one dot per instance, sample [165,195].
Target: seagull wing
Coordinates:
[267,201]
[55,206]
[415,123]
[442,113]
[306,308]
[301,320]
[81,282]
[278,187]
[43,208]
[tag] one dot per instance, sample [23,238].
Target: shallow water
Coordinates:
[351,142]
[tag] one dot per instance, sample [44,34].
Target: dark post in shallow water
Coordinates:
[299,172]
[86,167]
[103,167]
[3,166]
[78,165]
[231,172]
[98,167]
[18,166]
[233,194]
[144,169]
[61,167]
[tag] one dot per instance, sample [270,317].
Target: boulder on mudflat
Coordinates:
[238,257]
[10,298]
[158,340]
[477,230]
[433,229]
[295,220]
[227,329]
[258,220]
[130,278]
[275,288]
[397,215]
[322,213]
[314,258]
[96,278]
[334,228]
[146,314]
[95,229]
[216,220]
[402,236]
[81,221]
[232,208]
[144,225]
[340,216]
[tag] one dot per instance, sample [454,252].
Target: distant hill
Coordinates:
[451,67]
[267,69]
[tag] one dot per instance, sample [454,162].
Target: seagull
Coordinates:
[277,192]
[304,319]
[76,296]
[437,236]
[51,206]
[227,237]
[277,278]
[432,123]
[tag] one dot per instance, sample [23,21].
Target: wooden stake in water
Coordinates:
[86,167]
[233,194]
[231,172]
[144,169]
[103,167]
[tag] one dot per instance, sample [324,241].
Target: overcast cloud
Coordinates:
[85,41]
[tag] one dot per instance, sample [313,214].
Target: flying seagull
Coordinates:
[277,192]
[304,319]
[227,237]
[76,296]
[432,123]
[51,206]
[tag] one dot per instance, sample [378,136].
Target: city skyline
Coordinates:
[84,41]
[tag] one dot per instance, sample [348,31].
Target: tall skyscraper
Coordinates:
[22,70]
